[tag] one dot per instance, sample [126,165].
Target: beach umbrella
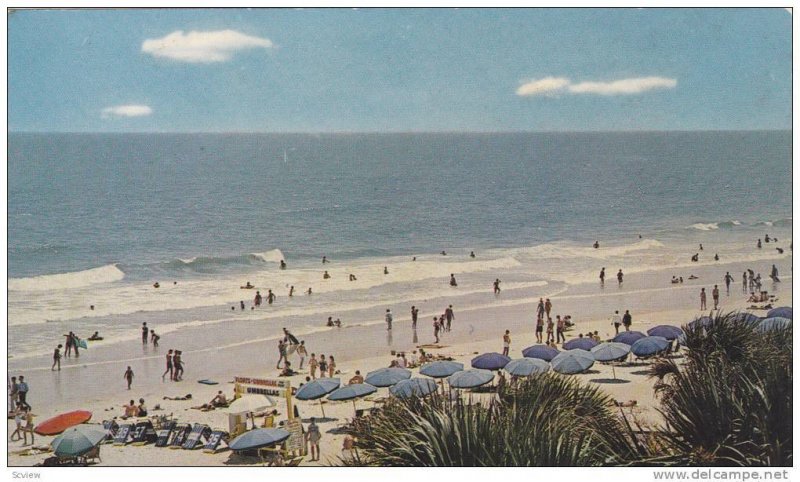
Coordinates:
[441,369]
[667,331]
[649,346]
[257,438]
[351,392]
[611,352]
[783,312]
[629,337]
[525,367]
[413,387]
[490,361]
[744,316]
[542,352]
[702,322]
[78,440]
[580,344]
[470,378]
[774,323]
[386,377]
[317,389]
[571,362]
[250,403]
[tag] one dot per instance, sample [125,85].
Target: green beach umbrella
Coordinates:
[78,440]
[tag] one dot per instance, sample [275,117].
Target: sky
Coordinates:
[398,70]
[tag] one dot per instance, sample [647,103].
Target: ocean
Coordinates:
[96,219]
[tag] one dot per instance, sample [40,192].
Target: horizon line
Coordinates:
[357,132]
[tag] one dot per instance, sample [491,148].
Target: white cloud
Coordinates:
[624,86]
[551,86]
[126,111]
[202,47]
[545,86]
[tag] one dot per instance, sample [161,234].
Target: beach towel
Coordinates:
[208,382]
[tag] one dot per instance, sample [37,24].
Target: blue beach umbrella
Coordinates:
[571,362]
[441,369]
[649,346]
[386,377]
[702,322]
[260,437]
[783,312]
[525,367]
[317,389]
[667,331]
[351,392]
[470,378]
[610,351]
[580,344]
[744,316]
[78,440]
[490,361]
[774,323]
[629,337]
[542,352]
[413,387]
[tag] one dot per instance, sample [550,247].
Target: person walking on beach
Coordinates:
[627,320]
[68,345]
[302,353]
[728,279]
[388,319]
[436,329]
[76,344]
[56,358]
[128,376]
[13,393]
[291,291]
[702,298]
[414,314]
[539,328]
[616,320]
[449,316]
[550,330]
[281,353]
[323,365]
[257,299]
[715,296]
[602,276]
[178,361]
[506,342]
[169,367]
[312,366]
[145,333]
[313,437]
[331,367]
[270,297]
[22,393]
[744,282]
[497,286]
[547,307]
[560,326]
[619,277]
[540,308]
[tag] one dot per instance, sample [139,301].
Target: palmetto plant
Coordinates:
[730,402]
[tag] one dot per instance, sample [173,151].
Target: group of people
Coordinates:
[175,365]
[131,409]
[19,407]
[555,329]
[625,320]
[620,276]
[289,345]
[714,295]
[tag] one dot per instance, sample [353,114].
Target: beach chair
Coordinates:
[162,436]
[216,437]
[123,434]
[179,435]
[143,433]
[193,441]
[92,455]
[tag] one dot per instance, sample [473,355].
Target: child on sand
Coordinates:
[323,366]
[312,366]
[313,437]
[506,342]
[331,367]
[128,376]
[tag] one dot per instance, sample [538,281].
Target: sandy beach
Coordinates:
[95,382]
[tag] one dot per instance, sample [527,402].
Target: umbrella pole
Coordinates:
[322,408]
[354,408]
[614,371]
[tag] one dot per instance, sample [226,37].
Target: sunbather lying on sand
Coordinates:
[187,397]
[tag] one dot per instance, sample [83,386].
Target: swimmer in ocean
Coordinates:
[326,275]
[695,257]
[324,260]
[385,270]
[283,264]
[453,280]
[291,291]
[596,244]
[472,254]
[309,291]
[156,285]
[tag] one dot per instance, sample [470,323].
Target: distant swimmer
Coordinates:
[257,299]
[766,238]
[619,276]
[309,291]
[414,258]
[326,275]
[696,257]
[270,297]
[780,251]
[388,319]
[596,244]
[701,246]
[95,337]
[472,254]
[330,321]
[496,286]
[353,277]
[693,277]
[716,257]
[385,270]
[453,280]
[444,253]
[602,275]
[156,285]
[247,286]
[324,260]
[291,291]
[728,280]
[675,280]
[758,244]
[91,307]
[241,304]
[283,264]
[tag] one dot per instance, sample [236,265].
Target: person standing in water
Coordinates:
[128,376]
[145,332]
[602,276]
[497,286]
[702,298]
[453,280]
[414,314]
[57,358]
[728,279]
[449,316]
[257,299]
[270,296]
[619,277]
[169,366]
[388,319]
[715,296]
[774,274]
[291,291]
[178,361]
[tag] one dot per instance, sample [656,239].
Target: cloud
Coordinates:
[545,86]
[624,86]
[552,86]
[202,47]
[126,111]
